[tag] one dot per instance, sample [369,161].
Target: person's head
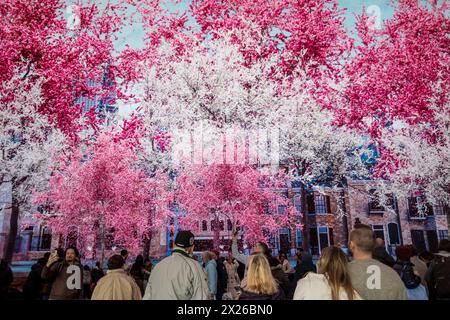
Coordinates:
[415,251]
[259,276]
[46,256]
[261,248]
[86,268]
[147,262]
[216,253]
[404,253]
[139,260]
[124,254]
[97,264]
[207,256]
[71,254]
[116,262]
[426,256]
[60,252]
[361,241]
[282,256]
[444,245]
[185,241]
[379,243]
[230,255]
[333,264]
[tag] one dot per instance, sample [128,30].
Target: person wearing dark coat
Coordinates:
[260,284]
[379,253]
[34,285]
[6,278]
[222,275]
[304,266]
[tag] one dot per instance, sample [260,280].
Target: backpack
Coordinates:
[409,278]
[441,275]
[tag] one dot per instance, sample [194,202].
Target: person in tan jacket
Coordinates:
[116,285]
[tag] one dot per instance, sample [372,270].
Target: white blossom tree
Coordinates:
[28,143]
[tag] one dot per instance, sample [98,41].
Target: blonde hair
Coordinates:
[333,264]
[259,276]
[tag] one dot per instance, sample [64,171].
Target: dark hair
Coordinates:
[77,253]
[60,252]
[404,253]
[97,264]
[273,262]
[426,255]
[123,252]
[265,249]
[46,256]
[115,262]
[86,267]
[444,245]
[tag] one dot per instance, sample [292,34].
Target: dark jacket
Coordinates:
[6,278]
[304,267]
[33,287]
[245,295]
[282,279]
[380,254]
[222,278]
[58,274]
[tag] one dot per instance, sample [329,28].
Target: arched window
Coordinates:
[204,225]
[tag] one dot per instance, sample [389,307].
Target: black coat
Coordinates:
[245,295]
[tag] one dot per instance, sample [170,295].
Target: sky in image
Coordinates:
[133,35]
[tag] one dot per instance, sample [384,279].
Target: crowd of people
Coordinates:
[368,273]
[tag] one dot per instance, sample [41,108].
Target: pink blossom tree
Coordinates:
[243,194]
[102,188]
[397,94]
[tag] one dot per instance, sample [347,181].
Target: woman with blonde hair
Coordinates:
[260,284]
[332,280]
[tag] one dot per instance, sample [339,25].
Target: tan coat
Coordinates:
[116,285]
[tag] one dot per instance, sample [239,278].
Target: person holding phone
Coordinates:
[65,274]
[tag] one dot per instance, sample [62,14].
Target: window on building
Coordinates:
[419,208]
[204,225]
[229,225]
[298,203]
[320,204]
[374,202]
[281,209]
[222,225]
[324,239]
[378,230]
[443,234]
[314,241]
[310,204]
[418,239]
[46,239]
[298,238]
[394,237]
[433,241]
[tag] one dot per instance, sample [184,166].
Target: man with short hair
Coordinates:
[58,270]
[179,276]
[372,279]
[116,285]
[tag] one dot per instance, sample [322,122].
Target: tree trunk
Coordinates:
[305,231]
[102,226]
[216,240]
[147,244]
[13,226]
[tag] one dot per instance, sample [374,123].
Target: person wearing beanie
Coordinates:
[179,276]
[117,284]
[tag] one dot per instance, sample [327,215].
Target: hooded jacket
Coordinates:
[116,285]
[177,277]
